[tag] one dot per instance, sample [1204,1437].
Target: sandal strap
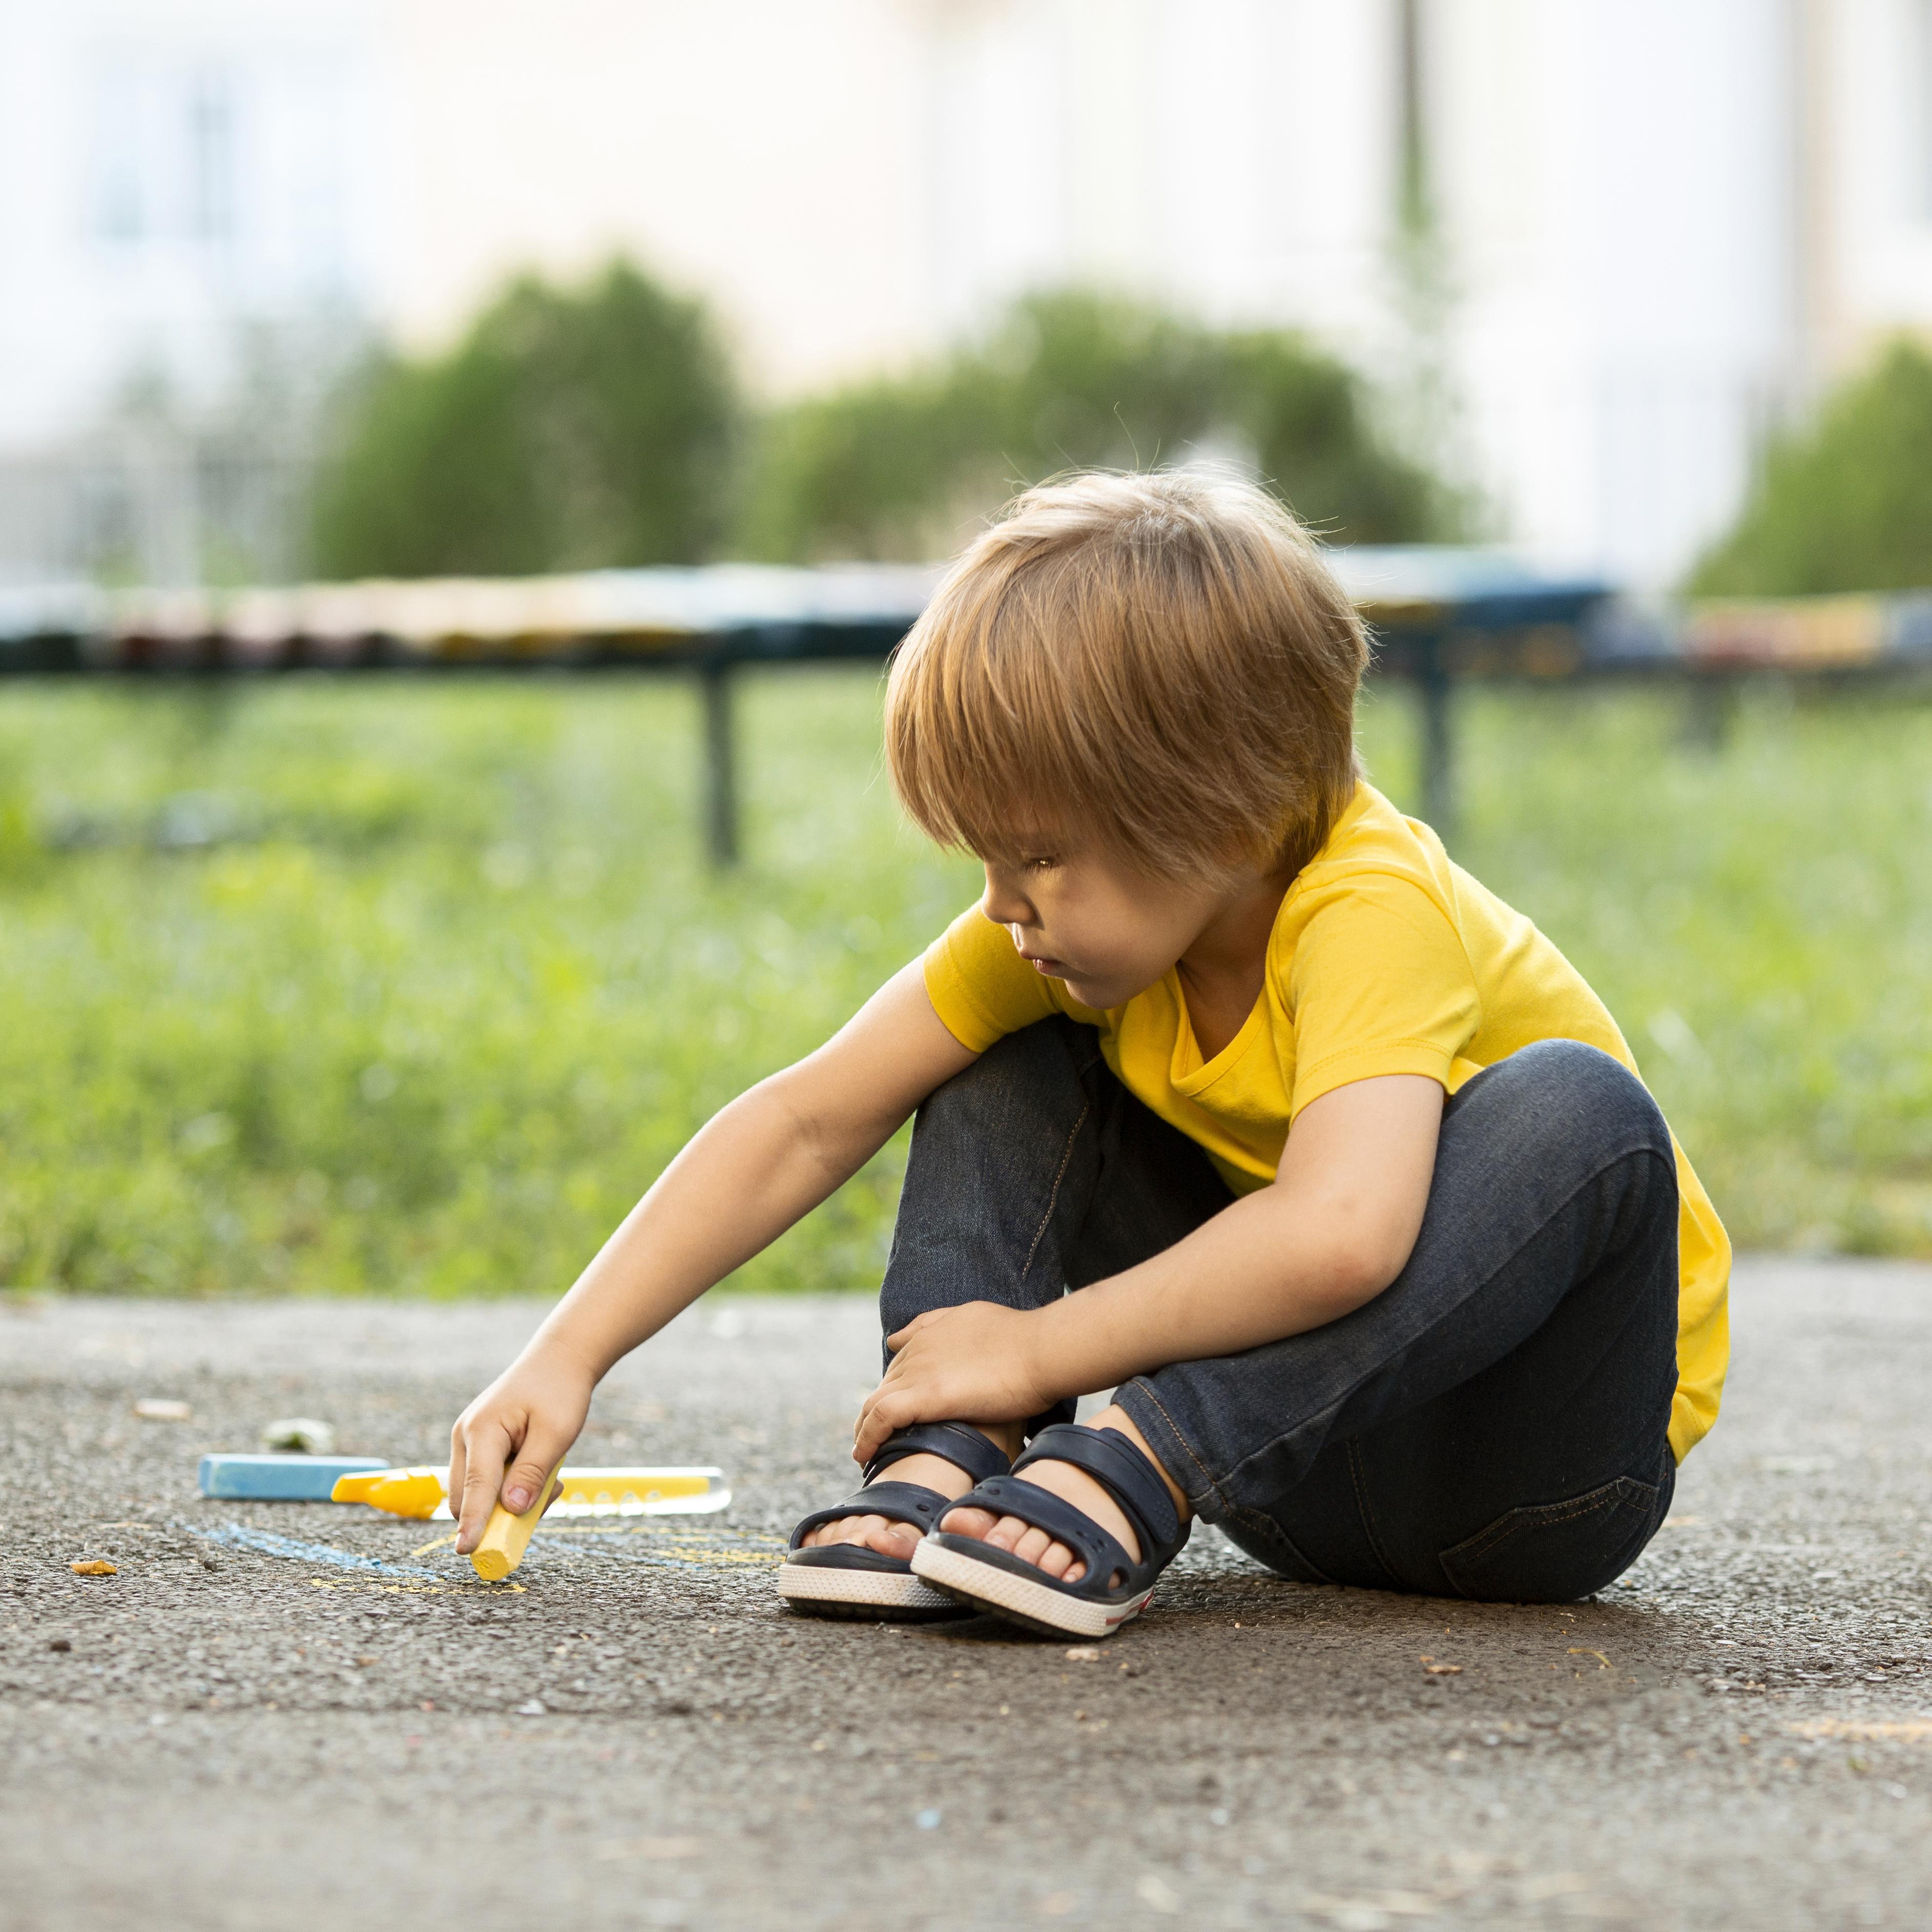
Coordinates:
[911,1503]
[1123,1472]
[965,1448]
[1041,1509]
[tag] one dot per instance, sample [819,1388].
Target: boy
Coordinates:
[1449,1334]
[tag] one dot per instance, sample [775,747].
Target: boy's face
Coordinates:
[1106,930]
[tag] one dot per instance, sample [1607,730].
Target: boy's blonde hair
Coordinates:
[1161,663]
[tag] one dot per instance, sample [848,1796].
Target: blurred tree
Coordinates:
[570,429]
[1845,504]
[899,467]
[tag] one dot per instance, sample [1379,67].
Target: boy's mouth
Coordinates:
[1040,962]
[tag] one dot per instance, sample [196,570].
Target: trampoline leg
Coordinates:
[1437,749]
[721,772]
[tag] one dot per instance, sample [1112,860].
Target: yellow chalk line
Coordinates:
[698,1544]
[1865,1730]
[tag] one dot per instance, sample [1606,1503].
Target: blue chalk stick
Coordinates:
[280,1479]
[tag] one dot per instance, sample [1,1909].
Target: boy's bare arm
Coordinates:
[1336,1228]
[758,1166]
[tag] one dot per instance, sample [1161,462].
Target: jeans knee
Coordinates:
[1018,1074]
[1587,1097]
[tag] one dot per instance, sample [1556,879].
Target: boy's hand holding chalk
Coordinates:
[506,1447]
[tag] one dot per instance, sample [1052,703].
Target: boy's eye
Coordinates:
[1042,864]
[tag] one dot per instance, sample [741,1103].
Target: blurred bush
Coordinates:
[902,467]
[1845,504]
[570,429]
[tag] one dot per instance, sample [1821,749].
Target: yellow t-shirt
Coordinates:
[1386,958]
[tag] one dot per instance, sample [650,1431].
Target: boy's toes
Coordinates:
[1007,1532]
[1031,1545]
[977,1522]
[1053,1559]
[870,1532]
[1057,1560]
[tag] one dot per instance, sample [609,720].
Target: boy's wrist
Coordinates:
[1058,1350]
[557,1351]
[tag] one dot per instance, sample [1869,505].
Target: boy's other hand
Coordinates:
[976,1360]
[506,1443]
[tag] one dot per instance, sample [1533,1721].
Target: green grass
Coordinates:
[458,986]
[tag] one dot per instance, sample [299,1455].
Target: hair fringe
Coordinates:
[1160,663]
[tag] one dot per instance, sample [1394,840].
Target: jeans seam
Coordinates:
[1589,1180]
[1368,1515]
[1052,1200]
[1210,1487]
[1263,1526]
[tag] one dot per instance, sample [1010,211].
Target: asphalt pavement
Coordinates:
[282,1715]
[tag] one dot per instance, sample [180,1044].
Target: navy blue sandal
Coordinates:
[1114,1588]
[845,1580]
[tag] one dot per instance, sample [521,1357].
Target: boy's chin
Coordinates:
[1097,994]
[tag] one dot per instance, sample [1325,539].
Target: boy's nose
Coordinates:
[1004,906]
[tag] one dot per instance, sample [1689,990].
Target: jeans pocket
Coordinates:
[1555,1552]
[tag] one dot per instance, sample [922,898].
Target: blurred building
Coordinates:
[187,188]
[1597,247]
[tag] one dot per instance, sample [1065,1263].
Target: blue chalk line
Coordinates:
[233,1536]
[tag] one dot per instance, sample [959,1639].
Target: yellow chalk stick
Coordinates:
[507,1537]
[416,1493]
[420,1492]
[592,1492]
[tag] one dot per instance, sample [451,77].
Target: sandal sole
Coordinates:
[874,1596]
[1035,1606]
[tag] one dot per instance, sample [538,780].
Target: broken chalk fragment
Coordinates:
[94,1566]
[155,1408]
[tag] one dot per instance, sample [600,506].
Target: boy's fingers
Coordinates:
[458,1465]
[884,1415]
[541,1450]
[912,1326]
[522,1483]
[859,1423]
[482,1474]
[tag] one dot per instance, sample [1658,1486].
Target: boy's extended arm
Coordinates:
[1334,1229]
[755,1167]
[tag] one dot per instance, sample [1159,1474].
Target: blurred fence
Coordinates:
[1443,618]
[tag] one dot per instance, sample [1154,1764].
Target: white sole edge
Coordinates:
[826,1585]
[987,1583]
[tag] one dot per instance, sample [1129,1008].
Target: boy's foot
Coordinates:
[880,1533]
[1052,1604]
[851,1560]
[1071,1485]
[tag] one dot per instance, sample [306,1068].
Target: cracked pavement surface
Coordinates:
[283,1715]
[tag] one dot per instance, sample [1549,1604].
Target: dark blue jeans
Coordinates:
[1493,1425]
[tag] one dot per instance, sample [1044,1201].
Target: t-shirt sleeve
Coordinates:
[1379,982]
[980,986]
